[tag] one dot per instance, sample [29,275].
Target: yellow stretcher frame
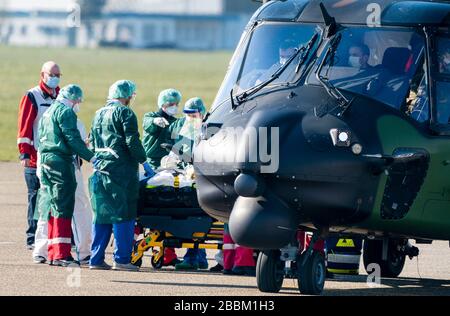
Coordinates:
[156,239]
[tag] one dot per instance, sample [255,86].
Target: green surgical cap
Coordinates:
[194,105]
[71,92]
[169,96]
[122,89]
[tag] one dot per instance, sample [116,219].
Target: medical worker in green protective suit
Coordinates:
[114,186]
[156,126]
[156,132]
[184,131]
[60,140]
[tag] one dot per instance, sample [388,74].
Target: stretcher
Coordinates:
[170,216]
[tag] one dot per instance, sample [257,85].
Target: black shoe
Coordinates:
[244,271]
[30,247]
[102,266]
[85,261]
[217,268]
[64,262]
[174,262]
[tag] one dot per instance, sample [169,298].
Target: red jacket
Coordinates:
[27,115]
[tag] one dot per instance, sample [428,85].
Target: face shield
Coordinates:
[192,126]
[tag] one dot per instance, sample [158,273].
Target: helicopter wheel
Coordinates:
[269,271]
[373,253]
[312,274]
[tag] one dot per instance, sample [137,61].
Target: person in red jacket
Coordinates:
[32,106]
[237,260]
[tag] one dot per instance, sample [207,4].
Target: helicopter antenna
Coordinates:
[330,22]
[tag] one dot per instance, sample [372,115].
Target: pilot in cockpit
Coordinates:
[285,51]
[359,55]
[444,59]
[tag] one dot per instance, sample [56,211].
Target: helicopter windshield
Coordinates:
[271,46]
[378,63]
[262,54]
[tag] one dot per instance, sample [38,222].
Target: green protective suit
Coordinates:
[43,201]
[114,189]
[59,140]
[176,126]
[182,146]
[154,136]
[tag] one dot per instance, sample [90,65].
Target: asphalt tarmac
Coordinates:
[428,275]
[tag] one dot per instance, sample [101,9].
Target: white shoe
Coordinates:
[39,259]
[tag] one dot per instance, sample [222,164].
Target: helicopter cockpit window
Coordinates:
[378,63]
[442,76]
[270,47]
[417,105]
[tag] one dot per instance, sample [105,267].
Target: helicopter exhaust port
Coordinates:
[263,222]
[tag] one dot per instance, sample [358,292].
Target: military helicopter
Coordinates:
[333,118]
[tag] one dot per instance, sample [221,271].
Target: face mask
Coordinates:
[171,110]
[52,82]
[354,61]
[76,108]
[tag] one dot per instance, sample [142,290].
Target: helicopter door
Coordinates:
[437,206]
[420,184]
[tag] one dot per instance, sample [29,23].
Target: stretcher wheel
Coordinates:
[269,271]
[157,263]
[138,263]
[311,275]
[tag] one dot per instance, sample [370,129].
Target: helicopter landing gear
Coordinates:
[270,271]
[308,267]
[389,254]
[311,269]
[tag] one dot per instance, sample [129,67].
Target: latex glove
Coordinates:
[161,122]
[148,170]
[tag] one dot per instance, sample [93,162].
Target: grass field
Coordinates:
[193,73]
